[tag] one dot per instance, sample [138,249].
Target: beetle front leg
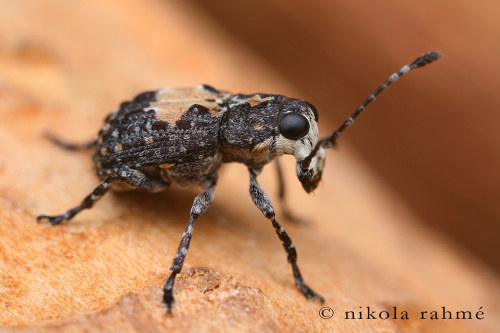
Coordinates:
[200,205]
[86,203]
[262,201]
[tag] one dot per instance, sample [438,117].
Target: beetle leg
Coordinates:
[262,201]
[88,202]
[200,204]
[287,213]
[281,180]
[140,181]
[70,146]
[134,178]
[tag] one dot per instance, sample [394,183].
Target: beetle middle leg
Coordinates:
[262,201]
[132,177]
[200,205]
[287,212]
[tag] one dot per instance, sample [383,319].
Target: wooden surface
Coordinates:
[63,67]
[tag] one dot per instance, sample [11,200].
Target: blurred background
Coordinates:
[433,137]
[422,161]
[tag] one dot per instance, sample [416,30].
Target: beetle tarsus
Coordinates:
[53,220]
[86,203]
[306,290]
[168,297]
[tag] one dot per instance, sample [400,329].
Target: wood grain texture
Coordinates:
[63,67]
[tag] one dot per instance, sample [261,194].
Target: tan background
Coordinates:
[424,157]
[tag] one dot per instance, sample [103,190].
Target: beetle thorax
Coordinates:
[248,129]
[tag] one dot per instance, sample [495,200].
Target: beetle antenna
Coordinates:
[330,141]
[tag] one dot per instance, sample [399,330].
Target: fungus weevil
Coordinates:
[182,136]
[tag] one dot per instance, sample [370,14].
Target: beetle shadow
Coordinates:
[174,203]
[153,207]
[240,234]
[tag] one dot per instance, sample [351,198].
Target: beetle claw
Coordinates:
[309,293]
[168,301]
[53,220]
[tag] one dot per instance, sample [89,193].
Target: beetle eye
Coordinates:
[293,126]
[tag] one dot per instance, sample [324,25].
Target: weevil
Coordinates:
[182,136]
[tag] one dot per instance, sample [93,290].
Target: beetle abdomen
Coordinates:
[175,130]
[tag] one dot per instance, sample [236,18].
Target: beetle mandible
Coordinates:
[182,136]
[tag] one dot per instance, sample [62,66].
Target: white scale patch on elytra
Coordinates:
[172,104]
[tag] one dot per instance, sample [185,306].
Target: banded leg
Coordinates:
[262,201]
[287,212]
[200,205]
[88,202]
[134,178]
[70,146]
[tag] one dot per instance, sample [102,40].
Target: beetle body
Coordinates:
[182,136]
[162,137]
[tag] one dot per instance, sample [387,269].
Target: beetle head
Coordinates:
[310,166]
[298,135]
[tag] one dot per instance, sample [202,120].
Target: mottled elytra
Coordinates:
[182,136]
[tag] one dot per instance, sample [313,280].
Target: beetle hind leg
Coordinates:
[134,178]
[70,146]
[86,203]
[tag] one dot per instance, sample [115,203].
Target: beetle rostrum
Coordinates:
[182,136]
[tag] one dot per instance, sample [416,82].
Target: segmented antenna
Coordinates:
[331,140]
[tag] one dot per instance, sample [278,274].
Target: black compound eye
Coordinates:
[294,126]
